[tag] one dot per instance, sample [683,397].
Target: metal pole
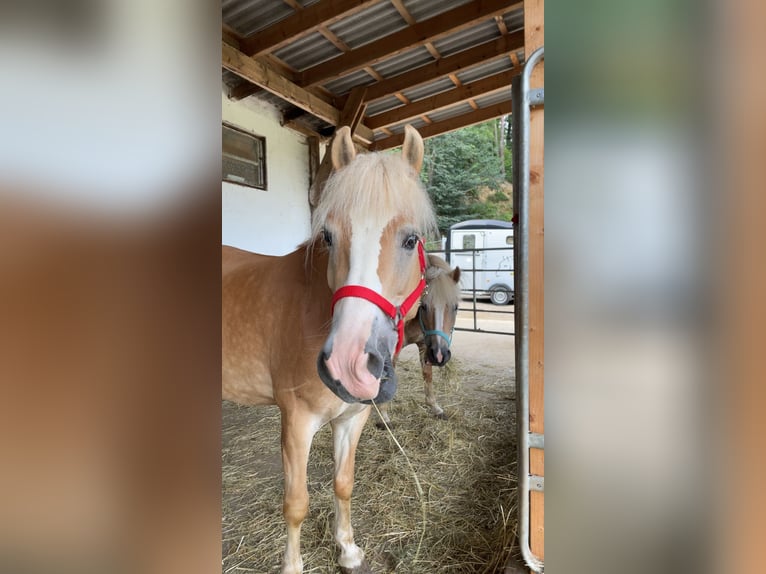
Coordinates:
[521,138]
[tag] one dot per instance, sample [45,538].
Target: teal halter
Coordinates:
[427,332]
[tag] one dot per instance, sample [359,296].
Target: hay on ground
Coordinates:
[466,466]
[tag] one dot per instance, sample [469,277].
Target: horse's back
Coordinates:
[268,315]
[246,377]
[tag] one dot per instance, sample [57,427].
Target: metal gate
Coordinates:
[523,99]
[476,279]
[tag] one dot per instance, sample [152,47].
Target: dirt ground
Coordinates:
[476,389]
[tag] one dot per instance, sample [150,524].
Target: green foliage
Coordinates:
[457,165]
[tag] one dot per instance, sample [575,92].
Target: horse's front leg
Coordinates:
[346,432]
[428,385]
[297,433]
[384,418]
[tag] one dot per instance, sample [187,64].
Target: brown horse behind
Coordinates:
[431,328]
[283,345]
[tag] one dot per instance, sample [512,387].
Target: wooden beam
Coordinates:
[483,53]
[353,111]
[534,38]
[403,12]
[449,22]
[230,36]
[294,4]
[243,91]
[449,125]
[333,39]
[301,24]
[444,99]
[313,143]
[258,73]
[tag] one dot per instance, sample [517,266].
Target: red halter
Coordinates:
[397,314]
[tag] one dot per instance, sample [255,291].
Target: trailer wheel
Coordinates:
[500,295]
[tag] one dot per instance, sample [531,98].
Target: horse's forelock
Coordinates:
[375,185]
[441,286]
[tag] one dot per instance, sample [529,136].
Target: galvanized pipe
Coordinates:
[522,310]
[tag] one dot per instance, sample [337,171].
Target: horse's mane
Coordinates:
[441,287]
[378,186]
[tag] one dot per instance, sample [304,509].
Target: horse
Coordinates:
[429,329]
[314,331]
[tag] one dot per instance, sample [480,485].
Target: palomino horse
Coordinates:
[431,329]
[335,308]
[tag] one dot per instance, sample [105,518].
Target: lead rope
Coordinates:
[419,488]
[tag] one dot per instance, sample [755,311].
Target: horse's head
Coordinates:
[438,309]
[372,217]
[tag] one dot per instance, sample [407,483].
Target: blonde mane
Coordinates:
[378,186]
[441,287]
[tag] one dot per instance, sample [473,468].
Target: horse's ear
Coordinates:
[342,151]
[456,274]
[412,148]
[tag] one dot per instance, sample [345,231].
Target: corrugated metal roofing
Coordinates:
[460,41]
[427,90]
[425,9]
[383,105]
[307,52]
[514,20]
[250,16]
[404,62]
[379,20]
[457,110]
[370,24]
[344,84]
[416,123]
[492,99]
[484,70]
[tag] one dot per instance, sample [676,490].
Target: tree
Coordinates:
[457,165]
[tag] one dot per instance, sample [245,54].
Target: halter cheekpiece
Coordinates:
[397,314]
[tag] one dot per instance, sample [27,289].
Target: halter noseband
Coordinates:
[397,314]
[427,332]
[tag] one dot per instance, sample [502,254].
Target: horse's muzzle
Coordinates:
[380,366]
[438,356]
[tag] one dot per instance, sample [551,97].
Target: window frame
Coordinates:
[263,168]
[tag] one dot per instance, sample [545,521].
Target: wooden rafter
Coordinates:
[353,111]
[451,124]
[258,73]
[301,24]
[483,53]
[444,99]
[445,23]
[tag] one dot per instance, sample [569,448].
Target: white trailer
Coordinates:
[483,249]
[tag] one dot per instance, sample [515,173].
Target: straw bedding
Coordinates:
[465,520]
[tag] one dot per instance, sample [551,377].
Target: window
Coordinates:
[469,241]
[244,158]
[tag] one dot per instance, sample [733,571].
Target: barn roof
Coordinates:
[374,64]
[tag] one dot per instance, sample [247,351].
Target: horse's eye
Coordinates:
[327,237]
[410,242]
[455,308]
[424,307]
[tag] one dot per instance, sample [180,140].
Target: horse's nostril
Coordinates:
[447,355]
[375,364]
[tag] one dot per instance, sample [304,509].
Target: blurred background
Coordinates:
[109,286]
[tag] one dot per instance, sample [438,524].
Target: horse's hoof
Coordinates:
[363,568]
[382,426]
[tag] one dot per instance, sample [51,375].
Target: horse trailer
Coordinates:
[483,249]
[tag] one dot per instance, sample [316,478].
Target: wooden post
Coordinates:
[534,38]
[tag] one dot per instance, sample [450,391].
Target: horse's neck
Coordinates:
[312,260]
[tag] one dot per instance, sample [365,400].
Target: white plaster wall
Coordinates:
[274,221]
